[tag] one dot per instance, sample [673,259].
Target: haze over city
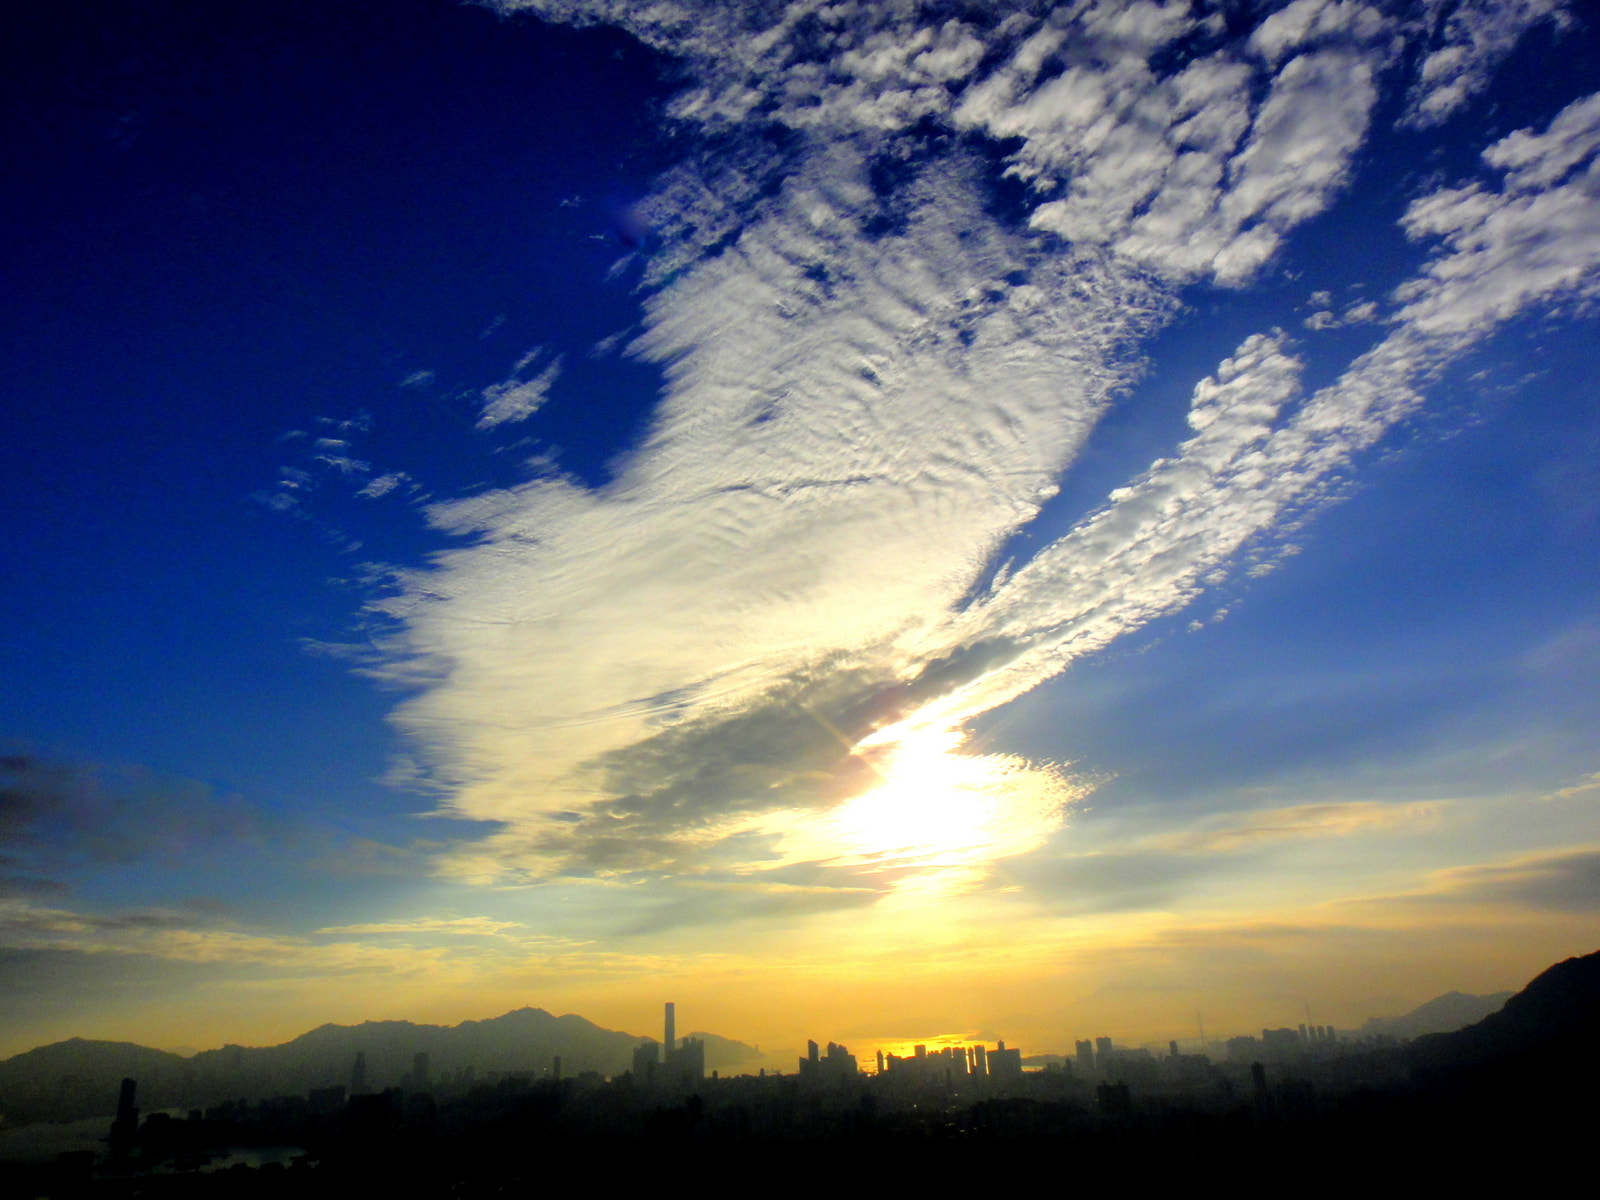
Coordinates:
[885,523]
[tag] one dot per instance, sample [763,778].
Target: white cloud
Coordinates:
[382,485]
[1144,554]
[342,463]
[869,389]
[1191,173]
[517,399]
[839,406]
[1198,171]
[1468,39]
[1362,312]
[1535,239]
[1309,22]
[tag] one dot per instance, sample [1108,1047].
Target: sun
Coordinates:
[940,808]
[937,818]
[931,800]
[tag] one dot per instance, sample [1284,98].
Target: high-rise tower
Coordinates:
[125,1129]
[671,1042]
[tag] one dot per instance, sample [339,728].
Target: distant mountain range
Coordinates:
[79,1078]
[1442,1014]
[1548,1026]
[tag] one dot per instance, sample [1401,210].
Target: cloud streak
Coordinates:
[518,398]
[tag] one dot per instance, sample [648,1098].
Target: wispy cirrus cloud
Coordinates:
[1235,831]
[520,396]
[1567,882]
[467,926]
[1167,869]
[885,334]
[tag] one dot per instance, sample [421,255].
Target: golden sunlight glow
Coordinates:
[943,812]
[932,801]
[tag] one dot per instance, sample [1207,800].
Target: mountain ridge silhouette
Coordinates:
[79,1077]
[1442,1014]
[1553,1017]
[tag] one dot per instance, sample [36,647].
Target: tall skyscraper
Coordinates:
[125,1129]
[358,1074]
[671,1041]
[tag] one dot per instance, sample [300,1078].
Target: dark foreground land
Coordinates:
[1510,1102]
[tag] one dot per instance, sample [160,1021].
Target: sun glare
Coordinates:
[938,808]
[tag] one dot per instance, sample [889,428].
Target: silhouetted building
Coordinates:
[682,1064]
[686,1065]
[125,1128]
[837,1064]
[1005,1064]
[1243,1049]
[947,1063]
[959,1061]
[1280,1043]
[1103,1048]
[646,1058]
[1085,1053]
[358,1074]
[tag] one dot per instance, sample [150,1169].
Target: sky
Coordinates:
[876,522]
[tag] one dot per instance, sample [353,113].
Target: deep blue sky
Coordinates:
[227,225]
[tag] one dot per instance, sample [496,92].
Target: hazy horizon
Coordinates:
[1030,521]
[782,1058]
